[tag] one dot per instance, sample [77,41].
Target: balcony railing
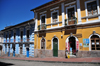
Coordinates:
[21,40]
[42,27]
[27,39]
[9,40]
[14,40]
[71,21]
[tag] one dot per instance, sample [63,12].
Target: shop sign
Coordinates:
[78,35]
[49,40]
[85,42]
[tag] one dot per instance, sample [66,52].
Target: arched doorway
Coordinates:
[27,55]
[8,49]
[27,49]
[72,44]
[13,47]
[43,43]
[42,47]
[95,42]
[5,48]
[55,47]
[0,50]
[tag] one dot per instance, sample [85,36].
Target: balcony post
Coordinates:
[98,8]
[35,21]
[78,11]
[63,16]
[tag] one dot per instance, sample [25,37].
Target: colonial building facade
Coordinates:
[19,40]
[72,25]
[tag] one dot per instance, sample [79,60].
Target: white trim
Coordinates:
[90,40]
[43,12]
[45,18]
[63,14]
[90,22]
[54,27]
[70,3]
[67,40]
[67,11]
[78,11]
[52,42]
[54,8]
[57,16]
[86,7]
[45,43]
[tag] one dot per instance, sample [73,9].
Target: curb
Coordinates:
[54,61]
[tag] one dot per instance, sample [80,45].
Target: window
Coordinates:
[21,36]
[92,8]
[42,22]
[95,42]
[71,13]
[54,17]
[14,36]
[6,38]
[9,37]
[43,19]
[43,43]
[28,35]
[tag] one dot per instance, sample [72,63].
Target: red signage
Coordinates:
[77,45]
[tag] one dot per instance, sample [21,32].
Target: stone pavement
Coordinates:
[62,60]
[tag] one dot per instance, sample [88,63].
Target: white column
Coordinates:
[78,11]
[63,16]
[98,8]
[35,21]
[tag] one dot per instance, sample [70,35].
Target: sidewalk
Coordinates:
[62,60]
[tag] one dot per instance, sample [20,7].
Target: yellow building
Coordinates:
[67,26]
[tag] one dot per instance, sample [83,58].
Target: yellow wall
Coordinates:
[85,34]
[83,12]
[48,13]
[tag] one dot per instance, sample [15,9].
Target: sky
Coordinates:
[13,12]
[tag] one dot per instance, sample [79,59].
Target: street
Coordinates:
[7,62]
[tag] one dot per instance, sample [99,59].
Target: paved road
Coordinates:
[6,62]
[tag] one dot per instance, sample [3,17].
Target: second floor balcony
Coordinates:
[42,27]
[71,21]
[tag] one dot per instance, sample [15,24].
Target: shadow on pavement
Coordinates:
[5,64]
